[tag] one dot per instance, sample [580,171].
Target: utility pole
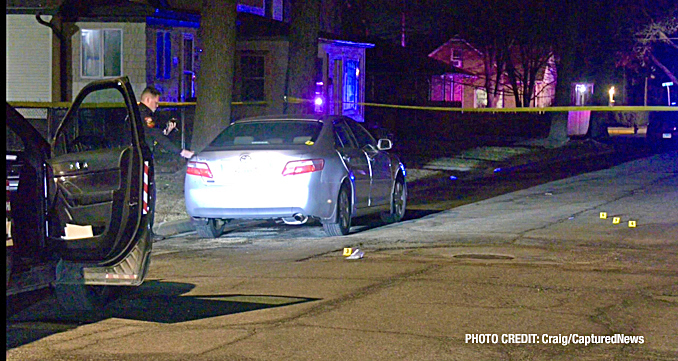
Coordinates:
[402,25]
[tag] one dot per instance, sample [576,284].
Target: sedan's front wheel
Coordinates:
[342,222]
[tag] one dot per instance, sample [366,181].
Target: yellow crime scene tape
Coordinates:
[616,108]
[293,100]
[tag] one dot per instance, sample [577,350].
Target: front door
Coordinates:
[379,165]
[356,162]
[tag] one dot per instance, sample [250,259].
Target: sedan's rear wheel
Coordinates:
[210,227]
[398,203]
[342,222]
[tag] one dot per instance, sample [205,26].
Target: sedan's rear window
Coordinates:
[268,133]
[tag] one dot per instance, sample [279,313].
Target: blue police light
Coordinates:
[453,177]
[497,170]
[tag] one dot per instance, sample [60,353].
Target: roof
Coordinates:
[450,42]
[386,57]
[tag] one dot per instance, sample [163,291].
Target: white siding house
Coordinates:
[28,59]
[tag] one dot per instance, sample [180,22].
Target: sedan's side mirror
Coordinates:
[384,144]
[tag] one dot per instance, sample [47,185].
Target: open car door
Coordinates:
[99,209]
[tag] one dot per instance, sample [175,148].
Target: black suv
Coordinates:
[78,208]
[662,130]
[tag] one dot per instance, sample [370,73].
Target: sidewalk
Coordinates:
[172,219]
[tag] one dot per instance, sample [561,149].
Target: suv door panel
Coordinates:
[98,167]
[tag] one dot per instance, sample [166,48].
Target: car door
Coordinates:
[99,206]
[379,164]
[355,160]
[26,152]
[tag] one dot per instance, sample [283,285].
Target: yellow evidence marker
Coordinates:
[616,220]
[632,224]
[603,215]
[348,252]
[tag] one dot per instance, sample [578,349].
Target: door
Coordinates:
[26,151]
[356,161]
[337,87]
[379,163]
[99,209]
[188,79]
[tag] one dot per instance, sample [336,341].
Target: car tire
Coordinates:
[341,224]
[79,297]
[210,227]
[398,202]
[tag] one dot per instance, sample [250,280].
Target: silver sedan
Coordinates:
[294,167]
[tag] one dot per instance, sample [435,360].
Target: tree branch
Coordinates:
[663,67]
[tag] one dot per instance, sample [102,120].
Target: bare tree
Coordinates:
[493,42]
[658,33]
[531,51]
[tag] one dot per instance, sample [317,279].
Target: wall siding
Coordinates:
[28,59]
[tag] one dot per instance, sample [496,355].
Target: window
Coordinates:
[256,134]
[101,122]
[101,51]
[480,98]
[343,137]
[252,77]
[163,59]
[351,88]
[362,136]
[447,88]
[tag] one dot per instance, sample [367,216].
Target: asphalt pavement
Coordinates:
[583,268]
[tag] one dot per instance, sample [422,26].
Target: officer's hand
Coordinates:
[186,153]
[171,125]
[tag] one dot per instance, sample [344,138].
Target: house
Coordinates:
[161,47]
[59,52]
[400,75]
[466,88]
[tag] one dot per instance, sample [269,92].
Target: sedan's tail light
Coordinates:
[199,168]
[303,166]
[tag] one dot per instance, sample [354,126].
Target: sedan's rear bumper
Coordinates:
[247,213]
[309,197]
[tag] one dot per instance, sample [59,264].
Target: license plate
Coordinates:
[666,135]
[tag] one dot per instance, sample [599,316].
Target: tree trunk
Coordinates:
[301,69]
[565,73]
[215,78]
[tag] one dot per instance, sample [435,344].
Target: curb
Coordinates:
[170,228]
